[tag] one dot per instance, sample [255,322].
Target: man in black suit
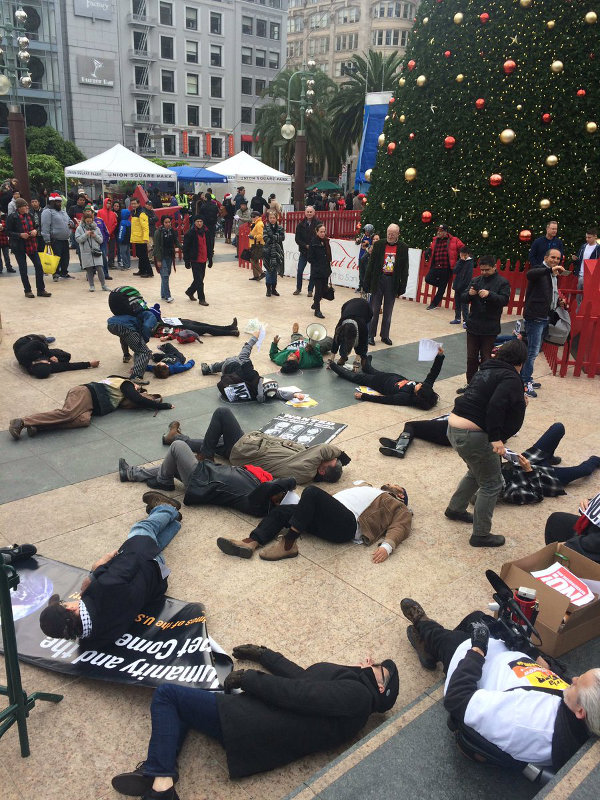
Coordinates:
[121,583]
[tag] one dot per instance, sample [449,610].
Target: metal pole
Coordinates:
[18,149]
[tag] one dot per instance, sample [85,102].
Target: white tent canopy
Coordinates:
[119,164]
[243,170]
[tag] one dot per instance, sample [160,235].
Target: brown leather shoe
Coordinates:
[412,610]
[233,547]
[174,430]
[279,550]
[15,426]
[154,498]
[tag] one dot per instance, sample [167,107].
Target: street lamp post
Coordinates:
[288,131]
[15,72]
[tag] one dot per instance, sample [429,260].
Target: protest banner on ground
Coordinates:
[304,430]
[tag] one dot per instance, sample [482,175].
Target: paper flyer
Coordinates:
[368,390]
[562,580]
[428,349]
[308,402]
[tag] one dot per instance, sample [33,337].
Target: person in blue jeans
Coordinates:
[165,243]
[124,237]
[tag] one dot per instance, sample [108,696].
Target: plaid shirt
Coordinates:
[27,226]
[524,488]
[440,259]
[4,240]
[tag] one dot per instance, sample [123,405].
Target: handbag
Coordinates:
[49,261]
[434,277]
[329,293]
[245,255]
[559,329]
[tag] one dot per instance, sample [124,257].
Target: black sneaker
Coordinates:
[459,516]
[462,390]
[371,341]
[18,552]
[135,783]
[123,467]
[154,483]
[487,541]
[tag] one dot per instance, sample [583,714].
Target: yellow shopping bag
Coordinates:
[49,261]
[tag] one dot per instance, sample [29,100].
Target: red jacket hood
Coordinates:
[108,217]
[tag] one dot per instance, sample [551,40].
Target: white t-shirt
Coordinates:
[587,253]
[357,500]
[521,721]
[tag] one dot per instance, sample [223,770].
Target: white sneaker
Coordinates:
[105,288]
[169,300]
[92,289]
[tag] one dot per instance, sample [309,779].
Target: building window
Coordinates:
[191,19]
[261,57]
[403,38]
[165,13]
[318,45]
[140,42]
[318,20]
[295,49]
[392,38]
[192,83]
[193,145]
[246,85]
[260,86]
[138,8]
[216,22]
[142,109]
[261,28]
[169,145]
[166,47]
[140,76]
[168,113]
[216,147]
[295,25]
[342,68]
[345,42]
[247,115]
[273,60]
[167,80]
[324,68]
[193,116]
[408,11]
[144,143]
[247,148]
[274,31]
[216,55]
[345,15]
[191,52]
[216,118]
[216,86]
[247,55]
[247,26]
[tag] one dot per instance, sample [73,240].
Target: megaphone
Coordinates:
[316,332]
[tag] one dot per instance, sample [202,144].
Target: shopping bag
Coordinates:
[49,261]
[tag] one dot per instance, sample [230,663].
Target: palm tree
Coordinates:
[369,73]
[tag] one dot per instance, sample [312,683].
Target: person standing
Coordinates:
[36,215]
[542,244]
[589,249]
[89,239]
[240,198]
[319,256]
[258,202]
[165,243]
[274,236]
[444,251]
[540,299]
[228,218]
[23,241]
[487,295]
[195,254]
[463,274]
[5,244]
[257,242]
[209,213]
[140,236]
[490,411]
[124,239]
[275,206]
[56,230]
[109,218]
[305,232]
[386,278]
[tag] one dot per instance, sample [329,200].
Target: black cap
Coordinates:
[57,621]
[390,694]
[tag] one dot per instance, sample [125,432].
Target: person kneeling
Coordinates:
[276,719]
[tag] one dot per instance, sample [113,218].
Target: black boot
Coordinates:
[268,291]
[400,446]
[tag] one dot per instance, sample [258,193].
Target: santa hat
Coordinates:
[227,196]
[54,196]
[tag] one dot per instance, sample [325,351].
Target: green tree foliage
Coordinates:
[372,72]
[44,171]
[167,164]
[453,183]
[47,141]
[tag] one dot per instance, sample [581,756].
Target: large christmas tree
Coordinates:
[494,128]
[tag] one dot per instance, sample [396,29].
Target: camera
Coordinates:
[516,617]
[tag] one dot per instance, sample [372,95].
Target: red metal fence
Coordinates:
[339,224]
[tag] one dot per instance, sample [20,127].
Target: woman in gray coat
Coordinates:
[89,239]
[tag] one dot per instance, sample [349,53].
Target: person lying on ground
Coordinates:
[276,719]
[363,514]
[280,457]
[394,389]
[301,353]
[248,489]
[580,533]
[191,330]
[352,330]
[509,698]
[98,398]
[169,362]
[121,583]
[34,355]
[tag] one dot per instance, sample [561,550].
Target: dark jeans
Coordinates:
[444,276]
[371,377]
[384,292]
[39,272]
[320,284]
[144,266]
[61,249]
[112,251]
[210,244]
[197,284]
[203,328]
[362,268]
[317,513]
[534,330]
[479,349]
[560,527]
[429,430]
[302,262]
[549,441]
[440,642]
[221,435]
[174,710]
[460,308]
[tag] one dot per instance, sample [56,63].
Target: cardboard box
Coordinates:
[582,624]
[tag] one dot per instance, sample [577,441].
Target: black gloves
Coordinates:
[249,652]
[344,459]
[234,680]
[480,635]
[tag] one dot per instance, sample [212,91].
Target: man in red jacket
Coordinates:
[109,218]
[443,255]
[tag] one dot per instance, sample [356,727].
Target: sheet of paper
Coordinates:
[428,349]
[562,580]
[172,321]
[308,402]
[368,390]
[290,389]
[261,338]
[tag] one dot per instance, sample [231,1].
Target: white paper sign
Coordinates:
[428,349]
[562,580]
[174,321]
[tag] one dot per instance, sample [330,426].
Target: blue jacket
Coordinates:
[540,247]
[579,261]
[144,323]
[174,369]
[125,227]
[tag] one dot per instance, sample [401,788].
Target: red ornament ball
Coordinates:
[411,64]
[411,136]
[449,142]
[525,236]
[392,99]
[426,217]
[509,66]
[483,18]
[580,92]
[391,147]
[479,103]
[546,118]
[448,53]
[495,179]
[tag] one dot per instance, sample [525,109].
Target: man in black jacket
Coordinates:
[209,213]
[487,295]
[32,353]
[305,232]
[277,719]
[121,583]
[386,278]
[490,411]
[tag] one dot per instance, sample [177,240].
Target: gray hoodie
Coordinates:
[55,225]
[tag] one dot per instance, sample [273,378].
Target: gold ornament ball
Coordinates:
[545,203]
[402,81]
[368,174]
[458,18]
[591,127]
[591,17]
[402,118]
[383,205]
[485,233]
[552,161]
[421,80]
[557,66]
[525,3]
[550,24]
[507,136]
[410,174]
[460,77]
[425,20]
[519,107]
[381,139]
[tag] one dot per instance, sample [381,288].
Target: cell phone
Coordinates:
[511,456]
